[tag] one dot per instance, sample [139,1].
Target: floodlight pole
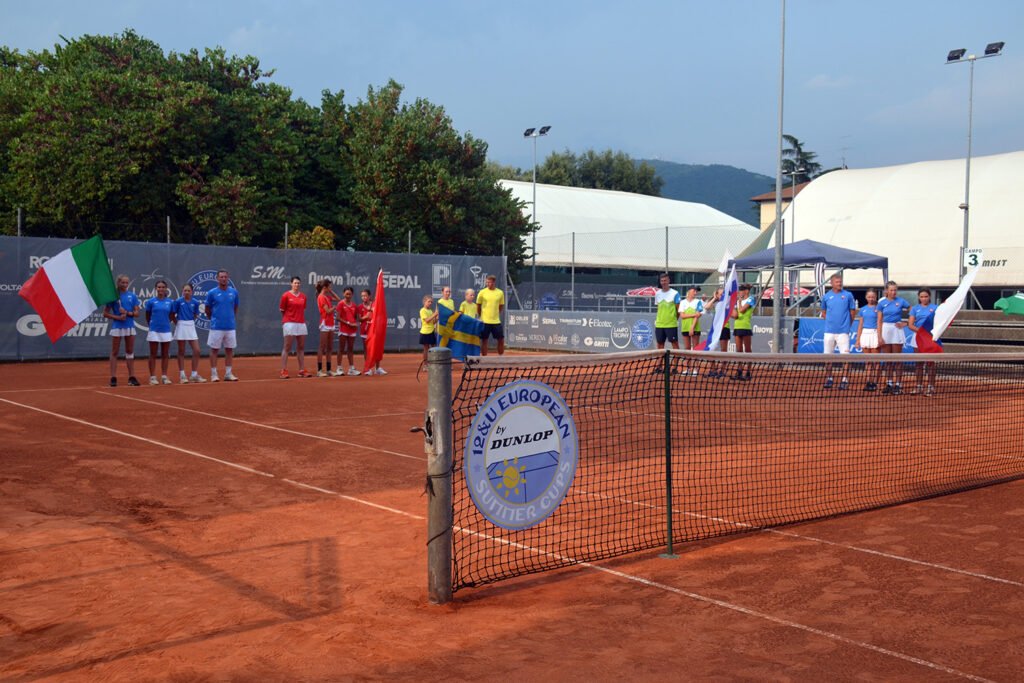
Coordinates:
[958,57]
[533,223]
[534,133]
[967,170]
[777,295]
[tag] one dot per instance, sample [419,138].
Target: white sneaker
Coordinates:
[369,372]
[353,371]
[230,378]
[182,379]
[197,379]
[153,380]
[381,371]
[214,377]
[166,380]
[339,372]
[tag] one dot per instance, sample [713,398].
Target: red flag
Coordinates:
[378,326]
[925,343]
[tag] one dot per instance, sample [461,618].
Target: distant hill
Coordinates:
[725,188]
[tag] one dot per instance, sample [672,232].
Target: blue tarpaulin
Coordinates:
[807,254]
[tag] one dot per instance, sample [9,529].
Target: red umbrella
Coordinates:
[770,292]
[642,291]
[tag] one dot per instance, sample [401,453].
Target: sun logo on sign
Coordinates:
[511,478]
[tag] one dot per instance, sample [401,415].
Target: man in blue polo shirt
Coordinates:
[221,306]
[838,308]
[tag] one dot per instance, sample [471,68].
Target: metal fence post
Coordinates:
[666,248]
[439,475]
[669,552]
[572,302]
[19,223]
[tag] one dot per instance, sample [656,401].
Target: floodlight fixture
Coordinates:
[544,129]
[529,132]
[992,49]
[956,55]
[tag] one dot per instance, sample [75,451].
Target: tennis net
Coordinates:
[682,446]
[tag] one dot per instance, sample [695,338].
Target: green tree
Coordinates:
[497,172]
[317,238]
[89,131]
[414,173]
[606,170]
[109,133]
[795,157]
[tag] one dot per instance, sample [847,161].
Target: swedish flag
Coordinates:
[459,332]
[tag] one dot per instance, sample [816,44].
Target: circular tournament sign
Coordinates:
[521,454]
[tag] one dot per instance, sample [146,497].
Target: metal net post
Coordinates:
[439,475]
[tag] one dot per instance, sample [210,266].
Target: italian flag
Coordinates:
[70,286]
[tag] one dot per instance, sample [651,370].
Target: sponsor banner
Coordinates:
[557,296]
[812,337]
[603,332]
[261,276]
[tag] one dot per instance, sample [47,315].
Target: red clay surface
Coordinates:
[161,558]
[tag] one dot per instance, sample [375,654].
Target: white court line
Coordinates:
[32,391]
[265,426]
[138,438]
[731,606]
[770,530]
[335,418]
[612,572]
[96,387]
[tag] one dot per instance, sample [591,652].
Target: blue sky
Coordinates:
[685,81]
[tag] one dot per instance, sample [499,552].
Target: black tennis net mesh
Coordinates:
[771,441]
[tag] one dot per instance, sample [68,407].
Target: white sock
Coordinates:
[227,370]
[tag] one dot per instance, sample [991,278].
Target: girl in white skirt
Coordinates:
[159,317]
[867,335]
[325,302]
[293,327]
[890,317]
[122,312]
[186,310]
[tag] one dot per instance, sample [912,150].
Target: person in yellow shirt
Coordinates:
[490,303]
[468,307]
[428,321]
[446,299]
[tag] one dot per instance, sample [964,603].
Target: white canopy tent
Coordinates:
[625,230]
[910,213]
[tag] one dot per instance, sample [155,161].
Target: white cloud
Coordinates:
[932,107]
[249,39]
[822,81]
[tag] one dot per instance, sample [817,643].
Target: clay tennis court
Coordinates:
[274,529]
